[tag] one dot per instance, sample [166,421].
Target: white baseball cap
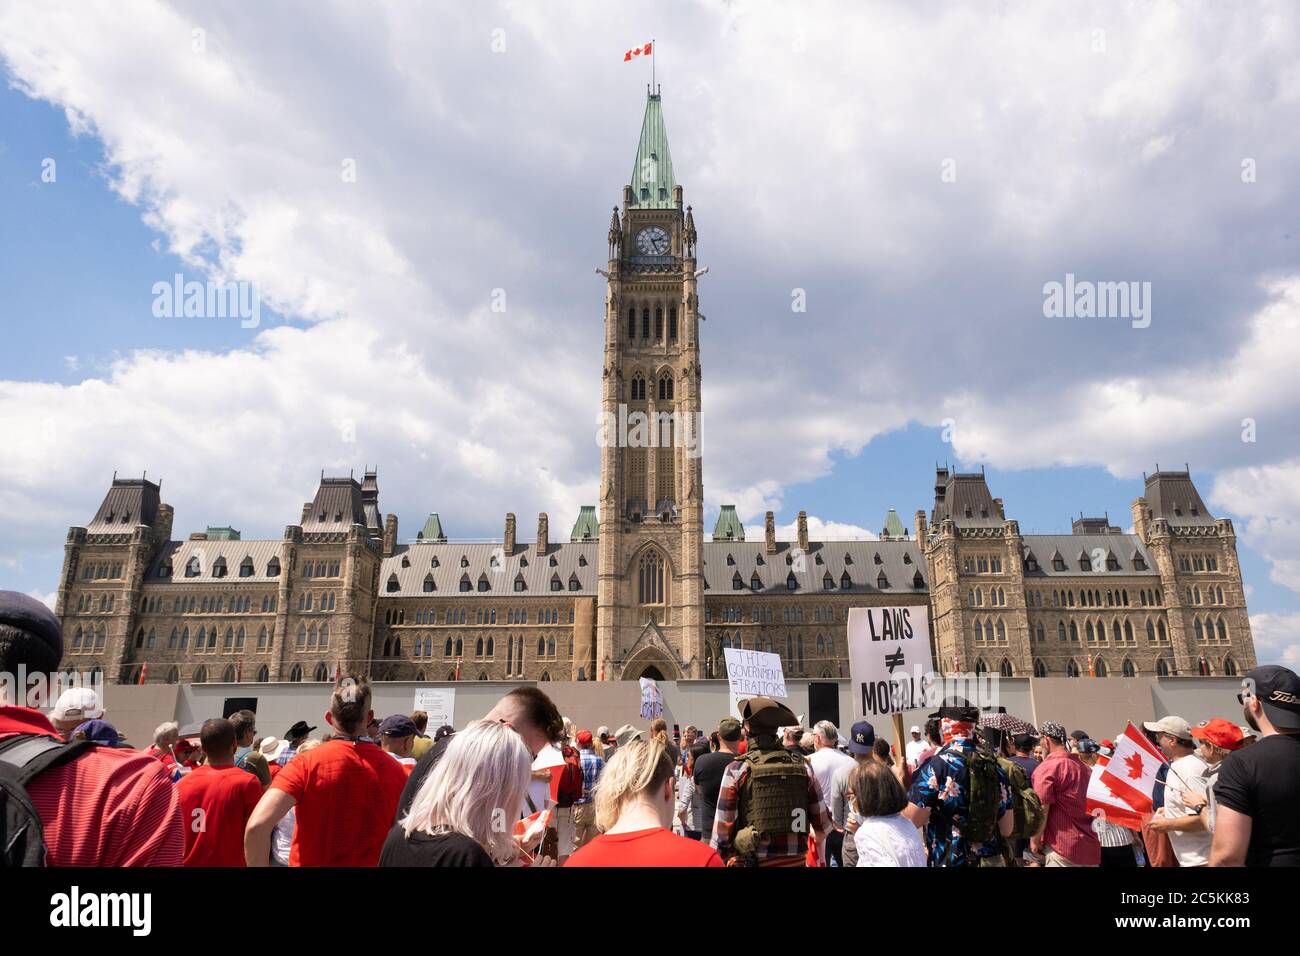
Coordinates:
[915,729]
[78,703]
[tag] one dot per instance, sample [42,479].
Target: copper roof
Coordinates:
[129,502]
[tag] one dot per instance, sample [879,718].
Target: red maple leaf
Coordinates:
[1134,763]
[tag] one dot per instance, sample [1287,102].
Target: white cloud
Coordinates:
[1277,638]
[818,530]
[45,597]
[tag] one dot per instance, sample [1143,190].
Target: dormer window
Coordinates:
[406,561]
[246,568]
[193,567]
[846,582]
[755,584]
[429,586]
[882,582]
[582,560]
[273,568]
[791,582]
[392,586]
[730,560]
[737,582]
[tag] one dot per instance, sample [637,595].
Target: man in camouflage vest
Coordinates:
[769,802]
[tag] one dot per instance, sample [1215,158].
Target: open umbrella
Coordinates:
[1007,724]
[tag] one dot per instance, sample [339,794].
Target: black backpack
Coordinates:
[22,758]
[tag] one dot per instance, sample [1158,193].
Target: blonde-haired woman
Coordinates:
[635,799]
[464,812]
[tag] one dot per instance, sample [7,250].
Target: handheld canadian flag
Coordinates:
[144,669]
[1131,773]
[1105,804]
[638,51]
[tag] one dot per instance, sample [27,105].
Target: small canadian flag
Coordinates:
[1130,775]
[144,669]
[632,54]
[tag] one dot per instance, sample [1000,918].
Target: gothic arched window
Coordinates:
[650,579]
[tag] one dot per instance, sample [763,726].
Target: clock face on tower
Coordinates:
[652,241]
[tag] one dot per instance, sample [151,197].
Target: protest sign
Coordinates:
[890,666]
[753,674]
[652,699]
[439,703]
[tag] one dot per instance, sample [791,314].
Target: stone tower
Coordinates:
[650,604]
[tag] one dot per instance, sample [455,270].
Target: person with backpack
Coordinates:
[961,797]
[72,804]
[1061,782]
[1026,806]
[769,802]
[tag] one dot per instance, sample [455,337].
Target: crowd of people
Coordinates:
[524,786]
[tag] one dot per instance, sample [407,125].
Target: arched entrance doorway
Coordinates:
[652,672]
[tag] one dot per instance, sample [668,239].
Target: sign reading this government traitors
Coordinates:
[753,674]
[890,667]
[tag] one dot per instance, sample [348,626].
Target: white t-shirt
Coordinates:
[825,762]
[889,841]
[914,749]
[1192,848]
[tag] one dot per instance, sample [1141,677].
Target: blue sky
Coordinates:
[490,143]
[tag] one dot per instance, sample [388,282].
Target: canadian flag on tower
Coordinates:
[646,50]
[1131,773]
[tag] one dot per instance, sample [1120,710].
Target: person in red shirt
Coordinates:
[1061,782]
[635,799]
[344,792]
[217,799]
[108,806]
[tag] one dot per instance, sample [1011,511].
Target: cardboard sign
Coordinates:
[439,703]
[890,667]
[753,674]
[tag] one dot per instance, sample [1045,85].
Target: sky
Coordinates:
[418,194]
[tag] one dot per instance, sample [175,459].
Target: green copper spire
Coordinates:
[652,175]
[728,527]
[432,530]
[894,530]
[587,527]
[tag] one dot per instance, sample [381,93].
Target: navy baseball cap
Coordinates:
[398,725]
[99,732]
[862,737]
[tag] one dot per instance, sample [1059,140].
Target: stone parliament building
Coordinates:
[637,589]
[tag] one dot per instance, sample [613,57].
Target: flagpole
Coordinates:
[654,48]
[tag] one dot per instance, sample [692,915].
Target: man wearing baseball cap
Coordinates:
[584,808]
[1185,784]
[81,785]
[709,768]
[75,706]
[1258,790]
[397,738]
[1061,782]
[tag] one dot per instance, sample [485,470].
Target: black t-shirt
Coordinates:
[421,849]
[418,773]
[1263,782]
[708,781]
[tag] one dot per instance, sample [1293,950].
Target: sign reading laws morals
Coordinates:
[890,667]
[753,674]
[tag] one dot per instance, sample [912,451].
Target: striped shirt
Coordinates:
[786,850]
[1110,834]
[108,807]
